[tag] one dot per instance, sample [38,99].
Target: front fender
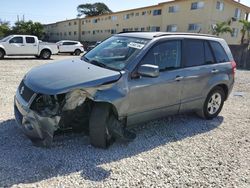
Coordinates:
[2,47]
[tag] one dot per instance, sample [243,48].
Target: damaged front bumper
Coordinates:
[35,127]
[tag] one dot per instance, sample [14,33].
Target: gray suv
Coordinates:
[128,79]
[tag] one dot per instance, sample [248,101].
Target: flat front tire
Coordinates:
[98,125]
[213,103]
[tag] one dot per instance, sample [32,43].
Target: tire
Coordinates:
[98,125]
[77,52]
[45,54]
[2,54]
[213,104]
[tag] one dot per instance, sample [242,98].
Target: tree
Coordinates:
[92,9]
[221,28]
[245,29]
[4,28]
[28,28]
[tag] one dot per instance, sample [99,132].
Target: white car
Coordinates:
[26,45]
[69,46]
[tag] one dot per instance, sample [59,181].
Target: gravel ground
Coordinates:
[178,151]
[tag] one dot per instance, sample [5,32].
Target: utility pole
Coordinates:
[23,18]
[17,18]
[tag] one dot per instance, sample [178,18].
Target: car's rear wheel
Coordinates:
[98,125]
[77,52]
[45,54]
[2,53]
[213,103]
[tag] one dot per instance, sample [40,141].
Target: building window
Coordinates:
[173,9]
[113,31]
[197,5]
[136,29]
[157,12]
[149,12]
[75,32]
[75,23]
[172,28]
[220,6]
[94,32]
[143,13]
[94,21]
[237,13]
[142,29]
[155,28]
[235,32]
[137,14]
[113,18]
[65,34]
[70,33]
[126,17]
[69,23]
[194,27]
[125,30]
[83,32]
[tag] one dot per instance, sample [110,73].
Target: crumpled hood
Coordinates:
[63,76]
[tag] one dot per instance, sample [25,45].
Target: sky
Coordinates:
[50,11]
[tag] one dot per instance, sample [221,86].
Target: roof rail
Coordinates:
[174,33]
[130,32]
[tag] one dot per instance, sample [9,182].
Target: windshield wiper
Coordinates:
[97,63]
[84,59]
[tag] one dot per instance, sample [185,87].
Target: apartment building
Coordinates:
[171,16]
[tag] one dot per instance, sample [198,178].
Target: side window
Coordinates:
[166,55]
[17,40]
[209,58]
[30,40]
[194,53]
[219,52]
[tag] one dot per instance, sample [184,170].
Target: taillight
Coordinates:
[234,65]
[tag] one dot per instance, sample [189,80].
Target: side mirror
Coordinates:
[148,70]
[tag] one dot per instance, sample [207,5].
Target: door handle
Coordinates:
[179,78]
[215,71]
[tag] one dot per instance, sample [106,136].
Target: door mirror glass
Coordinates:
[148,70]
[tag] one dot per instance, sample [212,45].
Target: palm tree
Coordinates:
[245,29]
[221,28]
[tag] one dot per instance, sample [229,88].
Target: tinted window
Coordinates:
[18,40]
[69,43]
[30,40]
[219,52]
[194,53]
[166,55]
[209,58]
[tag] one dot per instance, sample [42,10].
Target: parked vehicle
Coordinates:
[93,46]
[69,46]
[128,79]
[26,45]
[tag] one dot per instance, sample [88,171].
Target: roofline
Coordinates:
[146,7]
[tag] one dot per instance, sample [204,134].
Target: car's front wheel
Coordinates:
[98,125]
[213,103]
[2,53]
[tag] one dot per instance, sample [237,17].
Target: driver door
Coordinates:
[151,98]
[15,46]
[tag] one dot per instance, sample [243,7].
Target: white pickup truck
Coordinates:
[26,45]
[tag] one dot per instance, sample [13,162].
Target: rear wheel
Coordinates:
[77,52]
[213,104]
[2,53]
[98,125]
[45,54]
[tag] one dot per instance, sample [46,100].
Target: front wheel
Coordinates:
[45,54]
[98,125]
[213,104]
[2,54]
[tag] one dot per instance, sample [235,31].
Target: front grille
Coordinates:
[25,92]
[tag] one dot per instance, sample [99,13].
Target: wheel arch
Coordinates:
[1,48]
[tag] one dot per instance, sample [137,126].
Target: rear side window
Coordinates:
[69,43]
[194,53]
[219,52]
[167,55]
[209,58]
[30,40]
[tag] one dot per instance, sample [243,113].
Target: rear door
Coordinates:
[31,46]
[199,66]
[67,47]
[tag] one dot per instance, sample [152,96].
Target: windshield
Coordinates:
[115,52]
[6,38]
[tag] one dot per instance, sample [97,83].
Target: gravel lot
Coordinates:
[178,151]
